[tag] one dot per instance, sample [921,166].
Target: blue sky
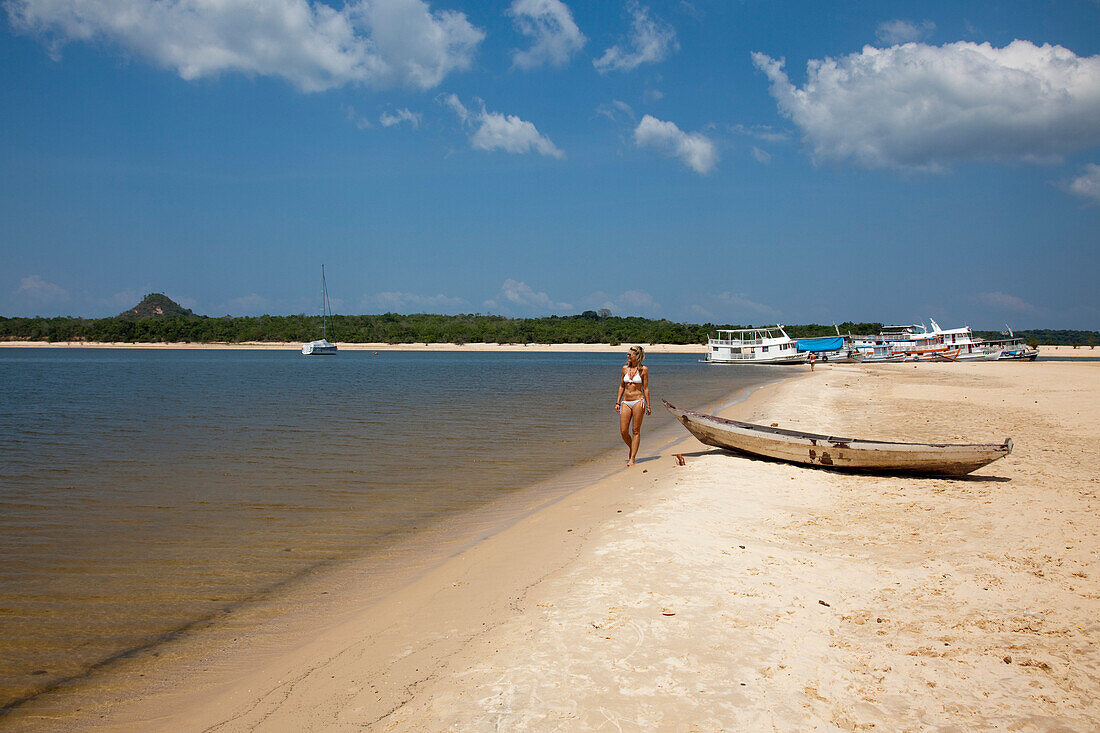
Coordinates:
[732,162]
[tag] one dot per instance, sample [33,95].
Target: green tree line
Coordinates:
[394,328]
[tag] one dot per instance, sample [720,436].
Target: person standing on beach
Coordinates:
[632,402]
[813,358]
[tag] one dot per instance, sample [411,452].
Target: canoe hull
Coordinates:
[811,449]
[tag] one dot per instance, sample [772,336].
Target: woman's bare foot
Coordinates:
[630,463]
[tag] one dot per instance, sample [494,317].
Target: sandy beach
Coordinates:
[730,593]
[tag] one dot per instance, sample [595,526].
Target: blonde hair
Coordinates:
[641,352]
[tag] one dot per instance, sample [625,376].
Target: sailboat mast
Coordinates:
[324,305]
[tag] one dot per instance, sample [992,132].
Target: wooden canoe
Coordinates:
[939,459]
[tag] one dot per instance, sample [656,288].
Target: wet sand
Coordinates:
[733,593]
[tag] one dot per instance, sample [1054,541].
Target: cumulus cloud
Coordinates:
[519,298]
[694,149]
[1004,301]
[1087,185]
[616,109]
[766,133]
[651,41]
[389,119]
[702,312]
[893,32]
[456,105]
[742,302]
[761,156]
[628,303]
[355,118]
[377,43]
[555,36]
[511,134]
[35,291]
[922,107]
[497,131]
[252,304]
[398,302]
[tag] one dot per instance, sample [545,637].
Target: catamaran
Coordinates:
[769,345]
[322,346]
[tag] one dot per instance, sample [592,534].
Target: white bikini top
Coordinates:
[636,380]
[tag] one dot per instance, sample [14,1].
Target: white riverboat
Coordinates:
[965,346]
[918,343]
[769,345]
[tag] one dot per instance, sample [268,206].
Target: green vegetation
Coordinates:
[157,305]
[1038,336]
[158,319]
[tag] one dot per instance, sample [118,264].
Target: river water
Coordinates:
[144,491]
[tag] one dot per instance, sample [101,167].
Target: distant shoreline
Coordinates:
[295,346]
[1048,351]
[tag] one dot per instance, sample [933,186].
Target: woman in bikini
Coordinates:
[632,402]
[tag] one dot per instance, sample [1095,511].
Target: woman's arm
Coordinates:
[645,388]
[622,386]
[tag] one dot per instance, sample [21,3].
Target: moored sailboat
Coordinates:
[321,347]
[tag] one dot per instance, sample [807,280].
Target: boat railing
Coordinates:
[737,342]
[734,357]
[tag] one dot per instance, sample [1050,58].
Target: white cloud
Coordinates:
[653,95]
[398,302]
[701,311]
[1004,301]
[922,107]
[651,41]
[628,303]
[1087,185]
[904,31]
[695,150]
[33,290]
[550,24]
[355,118]
[252,304]
[389,119]
[766,133]
[761,156]
[742,302]
[511,134]
[377,43]
[616,109]
[452,101]
[519,298]
[496,131]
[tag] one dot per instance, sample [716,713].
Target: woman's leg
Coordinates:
[624,423]
[637,413]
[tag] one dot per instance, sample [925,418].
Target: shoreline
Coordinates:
[733,592]
[1060,352]
[283,615]
[295,346]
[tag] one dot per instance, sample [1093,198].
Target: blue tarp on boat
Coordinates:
[829,343]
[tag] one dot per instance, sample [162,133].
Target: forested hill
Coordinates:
[589,327]
[157,305]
